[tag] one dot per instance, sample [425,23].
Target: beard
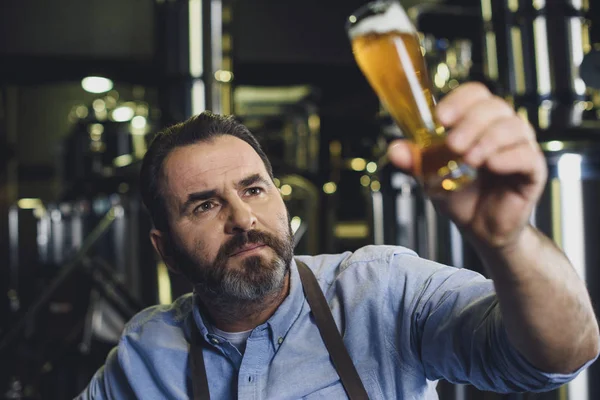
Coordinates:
[253,280]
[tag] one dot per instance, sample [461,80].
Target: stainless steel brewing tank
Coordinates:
[569,212]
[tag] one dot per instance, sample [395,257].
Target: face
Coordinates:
[229,228]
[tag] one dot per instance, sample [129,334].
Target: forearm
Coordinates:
[545,306]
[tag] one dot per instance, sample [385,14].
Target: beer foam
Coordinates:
[393,20]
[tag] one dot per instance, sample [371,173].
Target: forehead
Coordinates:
[209,165]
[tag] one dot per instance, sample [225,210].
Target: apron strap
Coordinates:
[329,333]
[199,378]
[331,336]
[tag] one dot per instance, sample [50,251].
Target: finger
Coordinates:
[476,121]
[455,104]
[504,133]
[405,155]
[524,159]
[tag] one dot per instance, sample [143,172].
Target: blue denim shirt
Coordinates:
[406,323]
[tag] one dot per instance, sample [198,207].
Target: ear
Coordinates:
[162,244]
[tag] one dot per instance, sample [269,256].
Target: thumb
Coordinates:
[405,155]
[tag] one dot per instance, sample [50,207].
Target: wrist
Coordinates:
[501,260]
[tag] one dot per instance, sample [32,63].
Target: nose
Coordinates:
[241,218]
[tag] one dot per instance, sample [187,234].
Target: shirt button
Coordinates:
[280,340]
[214,340]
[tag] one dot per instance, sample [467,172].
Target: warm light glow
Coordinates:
[164,284]
[572,225]
[519,64]
[358,164]
[330,187]
[314,122]
[448,185]
[371,167]
[99,105]
[96,131]
[555,145]
[576,47]
[123,113]
[277,182]
[295,224]
[439,81]
[542,61]
[286,190]
[375,186]
[138,122]
[96,84]
[351,230]
[490,53]
[81,111]
[486,9]
[29,204]
[123,160]
[569,167]
[195,37]
[365,180]
[224,76]
[443,71]
[198,99]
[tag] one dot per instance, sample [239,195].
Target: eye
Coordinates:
[204,207]
[255,191]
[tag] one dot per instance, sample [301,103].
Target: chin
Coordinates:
[256,278]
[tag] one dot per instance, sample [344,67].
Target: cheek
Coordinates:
[201,242]
[276,218]
[208,244]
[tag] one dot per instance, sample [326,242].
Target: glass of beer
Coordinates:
[388,51]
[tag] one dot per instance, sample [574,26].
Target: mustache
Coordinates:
[252,237]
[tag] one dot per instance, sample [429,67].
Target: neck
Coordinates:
[238,316]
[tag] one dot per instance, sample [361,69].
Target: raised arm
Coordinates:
[544,305]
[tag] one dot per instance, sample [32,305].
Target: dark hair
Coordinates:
[200,128]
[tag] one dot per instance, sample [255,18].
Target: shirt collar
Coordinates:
[279,323]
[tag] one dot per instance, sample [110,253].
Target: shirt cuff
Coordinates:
[548,381]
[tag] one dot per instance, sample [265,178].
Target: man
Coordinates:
[405,322]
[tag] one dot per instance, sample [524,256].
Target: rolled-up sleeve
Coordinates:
[457,332]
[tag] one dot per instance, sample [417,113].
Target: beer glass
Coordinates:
[387,49]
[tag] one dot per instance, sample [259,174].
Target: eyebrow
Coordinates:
[208,194]
[252,180]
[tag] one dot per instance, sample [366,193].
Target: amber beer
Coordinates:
[388,52]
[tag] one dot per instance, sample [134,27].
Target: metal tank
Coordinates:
[568,212]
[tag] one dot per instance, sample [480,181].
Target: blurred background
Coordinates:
[85,84]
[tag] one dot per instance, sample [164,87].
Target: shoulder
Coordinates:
[153,345]
[394,267]
[376,255]
[369,260]
[149,323]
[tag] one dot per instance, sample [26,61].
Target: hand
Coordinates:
[491,137]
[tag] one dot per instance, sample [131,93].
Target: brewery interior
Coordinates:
[85,84]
